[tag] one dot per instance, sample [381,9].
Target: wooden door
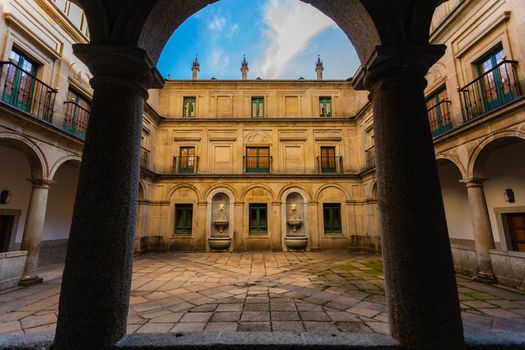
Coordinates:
[6,226]
[517,231]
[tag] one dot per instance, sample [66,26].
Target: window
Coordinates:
[257,107]
[258,218]
[332,218]
[325,106]
[328,160]
[76,114]
[189,106]
[258,159]
[20,81]
[187,160]
[439,113]
[496,85]
[183,218]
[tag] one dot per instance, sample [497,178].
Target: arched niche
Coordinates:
[294,214]
[220,220]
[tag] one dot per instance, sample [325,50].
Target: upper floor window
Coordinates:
[257,107]
[257,160]
[325,106]
[332,218]
[496,81]
[77,109]
[183,218]
[187,160]
[438,107]
[189,106]
[20,81]
[328,160]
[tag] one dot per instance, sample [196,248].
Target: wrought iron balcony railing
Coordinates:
[257,164]
[330,165]
[24,91]
[144,157]
[439,118]
[491,90]
[185,164]
[370,158]
[76,119]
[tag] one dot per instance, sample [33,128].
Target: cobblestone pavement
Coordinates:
[300,292]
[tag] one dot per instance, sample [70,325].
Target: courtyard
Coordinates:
[319,293]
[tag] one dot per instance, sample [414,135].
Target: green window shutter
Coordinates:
[325,106]
[19,86]
[258,218]
[183,218]
[332,218]
[257,107]
[189,107]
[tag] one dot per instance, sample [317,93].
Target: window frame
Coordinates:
[192,110]
[258,168]
[187,169]
[325,168]
[501,97]
[325,101]
[259,102]
[12,97]
[186,228]
[258,229]
[330,227]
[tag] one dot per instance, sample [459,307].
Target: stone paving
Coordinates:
[296,292]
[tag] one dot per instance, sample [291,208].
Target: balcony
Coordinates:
[185,164]
[491,90]
[25,92]
[370,159]
[75,119]
[439,118]
[330,165]
[257,164]
[144,158]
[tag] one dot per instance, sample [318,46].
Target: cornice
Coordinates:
[64,22]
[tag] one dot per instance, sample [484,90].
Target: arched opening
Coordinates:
[501,163]
[59,213]
[295,222]
[221,222]
[19,162]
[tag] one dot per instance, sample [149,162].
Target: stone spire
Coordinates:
[196,68]
[244,68]
[319,68]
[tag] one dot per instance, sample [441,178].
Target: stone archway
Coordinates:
[391,39]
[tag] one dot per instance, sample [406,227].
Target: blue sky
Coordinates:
[281,40]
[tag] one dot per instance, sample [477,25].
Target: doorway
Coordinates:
[6,230]
[516,229]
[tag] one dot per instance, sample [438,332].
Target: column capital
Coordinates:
[123,64]
[391,66]
[41,183]
[474,181]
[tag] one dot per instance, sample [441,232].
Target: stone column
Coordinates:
[238,228]
[420,284]
[314,228]
[201,231]
[96,284]
[33,230]
[482,229]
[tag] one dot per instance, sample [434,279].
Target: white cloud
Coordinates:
[291,26]
[217,24]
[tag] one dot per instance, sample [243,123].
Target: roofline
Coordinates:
[257,81]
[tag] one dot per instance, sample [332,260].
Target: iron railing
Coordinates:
[330,164]
[439,118]
[491,90]
[76,119]
[370,158]
[257,164]
[185,164]
[144,157]
[24,91]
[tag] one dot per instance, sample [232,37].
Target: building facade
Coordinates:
[268,165]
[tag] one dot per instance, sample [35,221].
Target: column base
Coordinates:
[485,278]
[30,281]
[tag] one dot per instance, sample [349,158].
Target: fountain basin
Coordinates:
[219,243]
[296,243]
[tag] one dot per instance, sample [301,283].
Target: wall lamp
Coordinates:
[509,195]
[5,197]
